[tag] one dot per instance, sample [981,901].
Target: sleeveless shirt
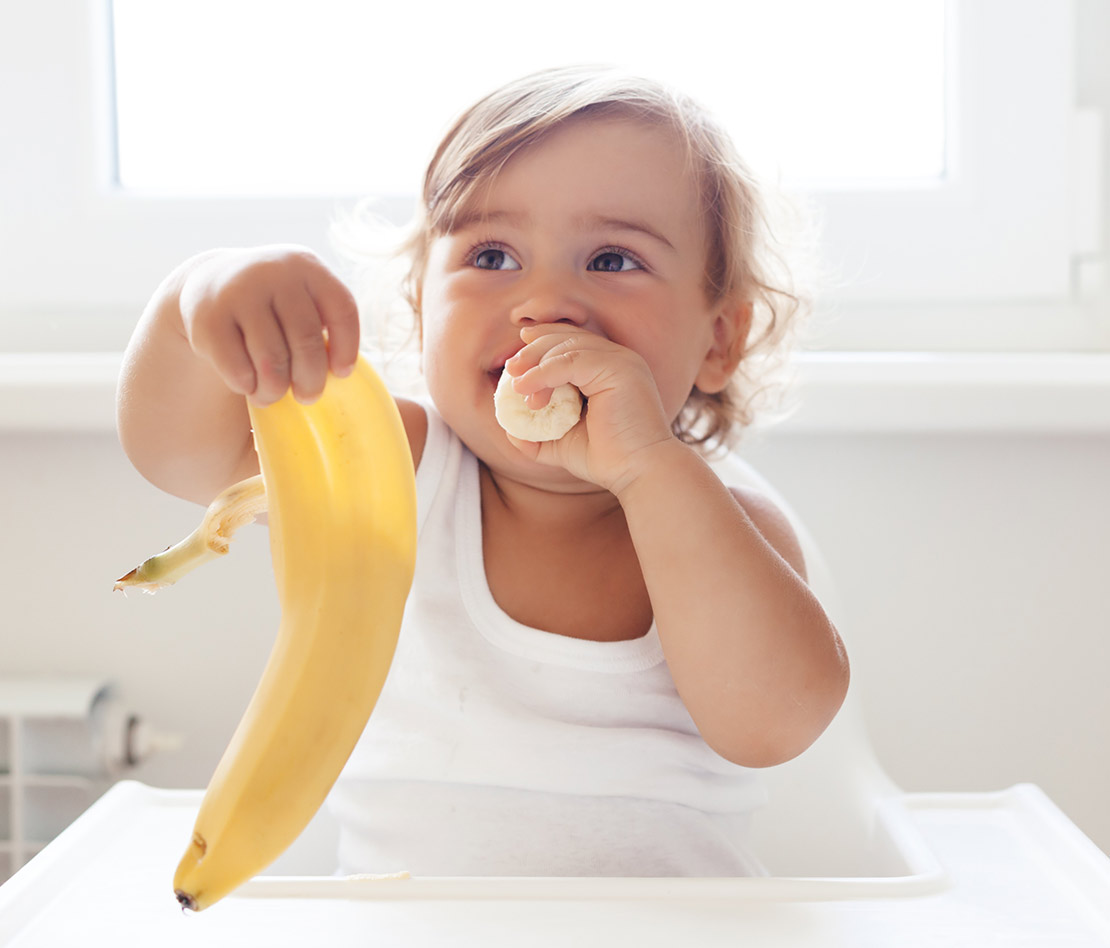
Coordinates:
[499,749]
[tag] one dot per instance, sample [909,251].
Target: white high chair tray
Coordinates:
[1000,869]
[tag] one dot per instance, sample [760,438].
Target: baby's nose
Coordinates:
[551,302]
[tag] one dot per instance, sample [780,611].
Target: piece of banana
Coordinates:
[549,423]
[340,491]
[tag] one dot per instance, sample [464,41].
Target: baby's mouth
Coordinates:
[495,373]
[498,366]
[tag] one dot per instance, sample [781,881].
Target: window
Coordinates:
[355,116]
[953,209]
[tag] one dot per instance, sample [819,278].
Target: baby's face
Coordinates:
[596,226]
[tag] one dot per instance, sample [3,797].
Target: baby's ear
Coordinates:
[730,340]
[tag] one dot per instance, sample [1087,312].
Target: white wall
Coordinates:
[75,516]
[973,571]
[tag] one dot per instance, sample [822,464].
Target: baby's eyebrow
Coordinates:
[472,218]
[477,217]
[621,223]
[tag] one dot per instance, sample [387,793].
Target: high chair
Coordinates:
[853,860]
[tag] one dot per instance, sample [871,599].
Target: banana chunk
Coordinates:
[549,423]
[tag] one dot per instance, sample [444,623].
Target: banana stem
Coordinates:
[240,504]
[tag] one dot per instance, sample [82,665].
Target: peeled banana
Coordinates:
[549,423]
[340,492]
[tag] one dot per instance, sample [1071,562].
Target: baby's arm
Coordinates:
[755,659]
[225,324]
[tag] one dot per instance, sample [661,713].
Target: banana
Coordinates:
[340,492]
[549,423]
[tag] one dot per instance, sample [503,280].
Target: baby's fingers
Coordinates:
[317,319]
[551,357]
[540,341]
[574,360]
[269,355]
[338,312]
[227,350]
[306,354]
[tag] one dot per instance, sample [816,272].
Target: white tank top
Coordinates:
[499,749]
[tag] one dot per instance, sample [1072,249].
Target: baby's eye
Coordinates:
[493,258]
[613,261]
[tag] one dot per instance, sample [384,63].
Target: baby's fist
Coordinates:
[270,319]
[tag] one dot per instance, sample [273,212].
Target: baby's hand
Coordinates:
[624,413]
[268,319]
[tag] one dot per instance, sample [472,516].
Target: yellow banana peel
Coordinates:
[237,506]
[339,488]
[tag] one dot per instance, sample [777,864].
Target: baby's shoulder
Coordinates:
[415,419]
[757,498]
[773,524]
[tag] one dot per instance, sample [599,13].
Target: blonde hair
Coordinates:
[742,260]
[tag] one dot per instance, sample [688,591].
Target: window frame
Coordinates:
[83,256]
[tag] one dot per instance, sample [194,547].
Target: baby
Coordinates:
[603,642]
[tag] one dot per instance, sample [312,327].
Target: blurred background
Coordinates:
[949,439]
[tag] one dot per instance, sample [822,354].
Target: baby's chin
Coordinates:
[510,465]
[543,477]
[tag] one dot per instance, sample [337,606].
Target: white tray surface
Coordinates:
[1014,871]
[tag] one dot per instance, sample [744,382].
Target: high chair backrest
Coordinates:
[821,816]
[820,819]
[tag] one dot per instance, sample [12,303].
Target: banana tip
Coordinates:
[124,581]
[186,901]
[132,581]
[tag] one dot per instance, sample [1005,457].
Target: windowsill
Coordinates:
[1034,393]
[837,392]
